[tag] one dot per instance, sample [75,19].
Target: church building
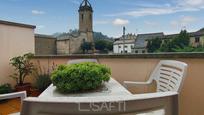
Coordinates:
[71,44]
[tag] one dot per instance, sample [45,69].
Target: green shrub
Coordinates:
[42,82]
[80,77]
[6,88]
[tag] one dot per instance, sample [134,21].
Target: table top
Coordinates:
[111,88]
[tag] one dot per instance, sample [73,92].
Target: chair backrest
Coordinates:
[101,105]
[169,75]
[76,61]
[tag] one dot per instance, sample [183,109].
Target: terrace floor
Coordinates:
[10,106]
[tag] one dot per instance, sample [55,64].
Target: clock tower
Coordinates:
[86,20]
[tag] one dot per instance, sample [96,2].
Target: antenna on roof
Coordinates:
[124,29]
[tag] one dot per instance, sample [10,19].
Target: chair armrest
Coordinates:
[22,95]
[132,83]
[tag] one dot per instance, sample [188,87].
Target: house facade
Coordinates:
[124,44]
[197,38]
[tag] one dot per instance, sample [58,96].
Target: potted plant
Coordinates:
[5,88]
[80,77]
[42,82]
[23,68]
[42,79]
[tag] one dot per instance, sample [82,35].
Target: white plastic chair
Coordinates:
[168,74]
[76,61]
[102,105]
[22,96]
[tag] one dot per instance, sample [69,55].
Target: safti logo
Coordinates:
[105,106]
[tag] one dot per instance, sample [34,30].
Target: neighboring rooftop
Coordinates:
[17,24]
[141,38]
[45,36]
[150,35]
[125,41]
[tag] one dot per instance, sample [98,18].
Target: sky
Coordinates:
[138,16]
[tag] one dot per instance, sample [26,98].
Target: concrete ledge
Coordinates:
[151,55]
[17,24]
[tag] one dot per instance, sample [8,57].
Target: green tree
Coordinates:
[182,40]
[190,49]
[86,46]
[109,45]
[177,42]
[100,45]
[154,45]
[103,45]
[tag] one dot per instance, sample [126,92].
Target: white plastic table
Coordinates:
[111,88]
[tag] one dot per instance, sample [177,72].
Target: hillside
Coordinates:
[97,35]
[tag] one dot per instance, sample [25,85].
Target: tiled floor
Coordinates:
[11,106]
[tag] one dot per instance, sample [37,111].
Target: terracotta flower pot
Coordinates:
[25,87]
[35,92]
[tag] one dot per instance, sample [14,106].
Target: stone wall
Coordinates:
[45,45]
[70,44]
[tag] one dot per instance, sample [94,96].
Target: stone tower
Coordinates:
[86,20]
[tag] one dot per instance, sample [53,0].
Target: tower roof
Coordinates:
[85,5]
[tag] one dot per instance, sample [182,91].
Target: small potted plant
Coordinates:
[5,88]
[23,68]
[42,79]
[42,82]
[81,77]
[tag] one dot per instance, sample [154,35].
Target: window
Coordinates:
[119,46]
[82,17]
[125,46]
[132,46]
[90,17]
[126,51]
[136,52]
[143,51]
[197,39]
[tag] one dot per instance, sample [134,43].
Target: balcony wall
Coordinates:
[139,67]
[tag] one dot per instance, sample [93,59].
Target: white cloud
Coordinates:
[101,22]
[191,3]
[183,21]
[37,12]
[153,11]
[180,6]
[120,22]
[39,27]
[151,24]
